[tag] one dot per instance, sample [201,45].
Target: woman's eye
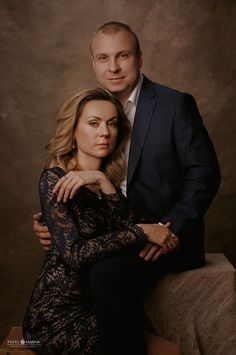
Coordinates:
[113,124]
[93,124]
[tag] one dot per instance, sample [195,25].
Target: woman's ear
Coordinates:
[74,144]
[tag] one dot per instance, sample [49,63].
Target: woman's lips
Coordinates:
[105,145]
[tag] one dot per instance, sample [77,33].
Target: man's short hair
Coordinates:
[114,27]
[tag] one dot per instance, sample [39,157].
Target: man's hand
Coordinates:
[41,231]
[151,252]
[160,241]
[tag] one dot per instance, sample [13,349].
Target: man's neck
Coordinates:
[123,96]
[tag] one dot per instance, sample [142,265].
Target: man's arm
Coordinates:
[41,231]
[199,163]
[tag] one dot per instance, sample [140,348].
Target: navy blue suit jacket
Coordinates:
[173,173]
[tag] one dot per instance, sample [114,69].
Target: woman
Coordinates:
[89,220]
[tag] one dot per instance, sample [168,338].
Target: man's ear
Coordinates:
[92,60]
[140,59]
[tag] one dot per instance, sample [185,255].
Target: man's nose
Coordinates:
[113,65]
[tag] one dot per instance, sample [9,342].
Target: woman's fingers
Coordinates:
[67,186]
[58,184]
[169,244]
[75,189]
[167,225]
[61,190]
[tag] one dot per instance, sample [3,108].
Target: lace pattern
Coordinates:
[60,313]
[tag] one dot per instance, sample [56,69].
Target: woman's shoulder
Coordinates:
[55,172]
[50,176]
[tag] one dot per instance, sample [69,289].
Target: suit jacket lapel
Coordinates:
[145,107]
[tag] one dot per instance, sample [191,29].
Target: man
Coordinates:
[173,173]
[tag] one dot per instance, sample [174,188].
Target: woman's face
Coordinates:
[96,131]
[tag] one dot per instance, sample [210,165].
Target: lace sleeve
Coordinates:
[63,227]
[121,211]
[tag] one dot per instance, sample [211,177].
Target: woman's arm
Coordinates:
[67,186]
[62,225]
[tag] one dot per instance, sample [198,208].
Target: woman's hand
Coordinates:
[69,184]
[160,241]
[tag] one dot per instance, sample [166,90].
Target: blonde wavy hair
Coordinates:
[61,150]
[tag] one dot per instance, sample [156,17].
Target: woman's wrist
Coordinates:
[105,184]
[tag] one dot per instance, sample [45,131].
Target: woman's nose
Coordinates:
[104,130]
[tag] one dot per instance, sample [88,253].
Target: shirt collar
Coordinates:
[135,93]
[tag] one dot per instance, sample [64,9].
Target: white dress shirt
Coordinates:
[130,107]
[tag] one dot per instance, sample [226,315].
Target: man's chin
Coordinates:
[115,89]
[118,92]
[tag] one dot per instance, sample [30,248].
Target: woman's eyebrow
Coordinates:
[99,118]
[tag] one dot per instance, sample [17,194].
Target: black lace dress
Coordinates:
[60,315]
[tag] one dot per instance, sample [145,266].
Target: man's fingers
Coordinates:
[45,242]
[37,217]
[150,251]
[39,228]
[145,250]
[150,254]
[44,235]
[157,254]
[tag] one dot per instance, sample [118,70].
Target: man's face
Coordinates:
[116,62]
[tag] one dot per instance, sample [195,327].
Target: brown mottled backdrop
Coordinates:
[44,58]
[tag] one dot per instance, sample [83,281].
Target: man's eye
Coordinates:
[102,58]
[124,55]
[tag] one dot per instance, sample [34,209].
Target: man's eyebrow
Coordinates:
[122,51]
[98,54]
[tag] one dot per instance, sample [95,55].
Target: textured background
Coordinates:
[187,44]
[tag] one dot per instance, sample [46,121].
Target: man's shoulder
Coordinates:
[160,89]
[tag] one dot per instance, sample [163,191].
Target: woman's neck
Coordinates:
[86,163]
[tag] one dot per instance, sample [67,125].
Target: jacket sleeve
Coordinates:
[197,157]
[62,224]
